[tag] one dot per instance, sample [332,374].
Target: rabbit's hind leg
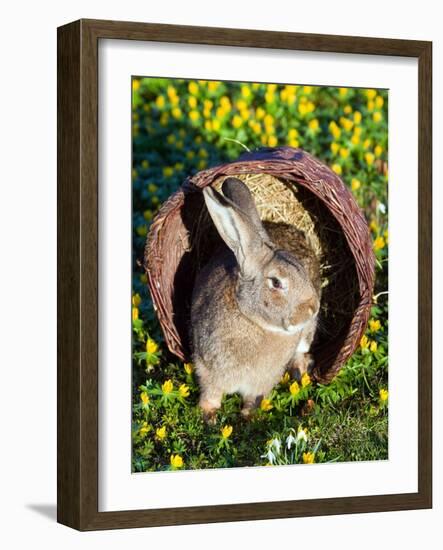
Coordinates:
[250,402]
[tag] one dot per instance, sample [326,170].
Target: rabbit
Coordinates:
[255,304]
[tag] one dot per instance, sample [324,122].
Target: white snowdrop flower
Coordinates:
[302,435]
[381,208]
[290,440]
[276,443]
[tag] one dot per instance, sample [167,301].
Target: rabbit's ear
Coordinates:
[238,231]
[239,194]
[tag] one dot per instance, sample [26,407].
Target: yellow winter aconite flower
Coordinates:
[374,325]
[144,428]
[335,147]
[259,113]
[355,184]
[237,121]
[305,380]
[379,243]
[308,458]
[346,123]
[135,84]
[152,188]
[370,105]
[285,378]
[314,125]
[193,88]
[189,367]
[334,129]
[176,112]
[161,432]
[144,397]
[192,102]
[377,116]
[226,431]
[142,230]
[272,141]
[342,91]
[357,117]
[194,115]
[213,85]
[160,102]
[369,158]
[337,168]
[167,386]
[364,342]
[136,300]
[373,346]
[378,150]
[176,461]
[151,346]
[168,171]
[183,390]
[379,102]
[134,313]
[216,125]
[384,394]
[246,92]
[265,404]
[294,388]
[344,153]
[370,94]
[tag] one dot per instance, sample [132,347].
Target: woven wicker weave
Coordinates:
[171,259]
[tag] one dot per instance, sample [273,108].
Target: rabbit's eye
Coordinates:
[275,283]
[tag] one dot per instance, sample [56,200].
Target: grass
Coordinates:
[180,127]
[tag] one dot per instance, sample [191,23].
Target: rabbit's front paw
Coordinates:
[301,363]
[209,407]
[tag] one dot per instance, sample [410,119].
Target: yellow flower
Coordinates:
[160,102]
[144,398]
[189,367]
[143,278]
[314,125]
[355,184]
[308,458]
[377,116]
[374,325]
[266,404]
[337,168]
[226,431]
[245,92]
[370,105]
[272,141]
[151,346]
[271,87]
[145,164]
[194,115]
[237,121]
[269,97]
[344,153]
[176,461]
[176,112]
[373,346]
[367,143]
[347,110]
[364,342]
[152,188]
[259,113]
[136,300]
[225,102]
[168,171]
[378,150]
[342,91]
[183,390]
[334,129]
[216,125]
[192,102]
[379,243]
[268,120]
[144,428]
[161,432]
[379,102]
[357,117]
[294,388]
[373,225]
[335,147]
[285,378]
[241,104]
[370,94]
[167,386]
[293,133]
[208,125]
[307,90]
[305,380]
[355,139]
[384,394]
[134,313]
[135,84]
[213,85]
[193,87]
[369,158]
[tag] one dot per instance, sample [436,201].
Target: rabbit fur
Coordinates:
[255,304]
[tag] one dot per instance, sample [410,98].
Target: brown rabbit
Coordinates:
[255,304]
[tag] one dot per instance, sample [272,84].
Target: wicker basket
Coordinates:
[180,240]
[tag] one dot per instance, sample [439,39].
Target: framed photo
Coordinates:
[244,274]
